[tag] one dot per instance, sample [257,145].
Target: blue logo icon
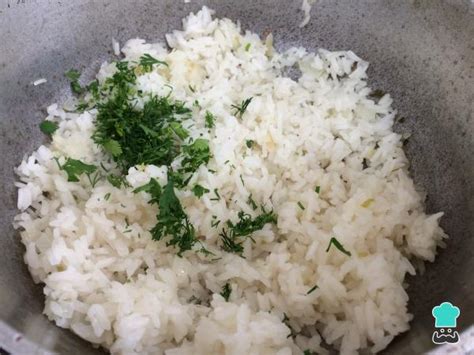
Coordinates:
[445,316]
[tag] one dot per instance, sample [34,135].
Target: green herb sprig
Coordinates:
[338,245]
[240,109]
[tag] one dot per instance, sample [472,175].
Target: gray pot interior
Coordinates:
[422,52]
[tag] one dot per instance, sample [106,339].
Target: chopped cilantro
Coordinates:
[226,291]
[73,75]
[173,222]
[338,245]
[153,188]
[93,88]
[317,189]
[74,168]
[48,127]
[199,191]
[249,143]
[147,136]
[197,153]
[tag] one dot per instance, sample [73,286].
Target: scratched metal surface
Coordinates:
[421,51]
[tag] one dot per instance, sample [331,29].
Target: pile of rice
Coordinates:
[110,283]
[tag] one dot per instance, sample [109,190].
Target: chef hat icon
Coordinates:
[445,315]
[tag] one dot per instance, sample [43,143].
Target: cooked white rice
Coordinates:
[134,295]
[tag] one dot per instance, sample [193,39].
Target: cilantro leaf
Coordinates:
[199,191]
[74,167]
[153,188]
[179,130]
[73,75]
[48,127]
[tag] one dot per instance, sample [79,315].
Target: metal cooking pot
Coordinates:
[421,51]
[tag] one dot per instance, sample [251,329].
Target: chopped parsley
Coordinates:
[239,110]
[209,120]
[107,196]
[247,47]
[147,62]
[74,168]
[233,237]
[300,205]
[226,291]
[338,245]
[48,127]
[312,289]
[73,75]
[317,189]
[249,143]
[199,191]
